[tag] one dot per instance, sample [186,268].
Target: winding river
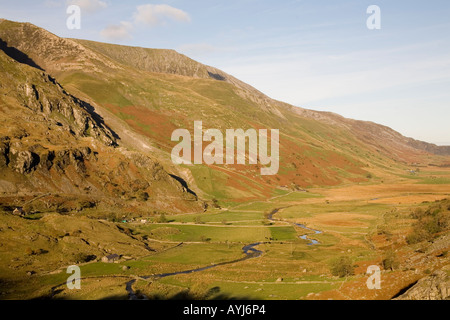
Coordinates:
[249,251]
[303,237]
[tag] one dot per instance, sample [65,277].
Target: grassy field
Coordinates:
[210,233]
[361,222]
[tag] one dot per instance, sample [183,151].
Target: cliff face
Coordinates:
[434,287]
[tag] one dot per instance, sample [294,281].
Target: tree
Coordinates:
[342,267]
[162,218]
[390,261]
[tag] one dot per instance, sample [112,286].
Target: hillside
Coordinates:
[145,94]
[52,142]
[86,172]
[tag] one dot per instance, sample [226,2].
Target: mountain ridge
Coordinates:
[208,71]
[151,92]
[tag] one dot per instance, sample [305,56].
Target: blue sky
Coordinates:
[317,54]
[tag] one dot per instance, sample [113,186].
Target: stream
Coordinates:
[249,251]
[303,237]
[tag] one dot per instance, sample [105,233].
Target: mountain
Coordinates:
[54,143]
[125,102]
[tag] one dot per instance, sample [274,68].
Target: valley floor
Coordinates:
[366,223]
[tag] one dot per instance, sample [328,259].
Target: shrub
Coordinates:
[83,257]
[342,267]
[216,203]
[162,218]
[418,213]
[205,239]
[198,220]
[418,235]
[390,261]
[431,222]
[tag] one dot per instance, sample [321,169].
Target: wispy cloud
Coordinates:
[149,15]
[118,32]
[154,15]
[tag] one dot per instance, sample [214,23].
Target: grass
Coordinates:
[220,217]
[198,254]
[283,233]
[312,151]
[103,92]
[278,291]
[202,233]
[285,258]
[435,180]
[256,206]
[296,196]
[309,210]
[211,182]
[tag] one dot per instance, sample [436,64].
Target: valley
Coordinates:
[87,179]
[364,228]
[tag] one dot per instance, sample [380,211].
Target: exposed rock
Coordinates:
[434,287]
[79,120]
[24,161]
[4,151]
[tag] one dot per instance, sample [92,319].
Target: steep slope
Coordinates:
[434,287]
[146,94]
[171,62]
[53,143]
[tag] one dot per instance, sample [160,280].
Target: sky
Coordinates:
[316,54]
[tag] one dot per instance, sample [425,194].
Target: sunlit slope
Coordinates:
[52,145]
[153,92]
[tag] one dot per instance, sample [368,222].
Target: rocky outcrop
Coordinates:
[65,110]
[4,152]
[24,161]
[52,142]
[434,287]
